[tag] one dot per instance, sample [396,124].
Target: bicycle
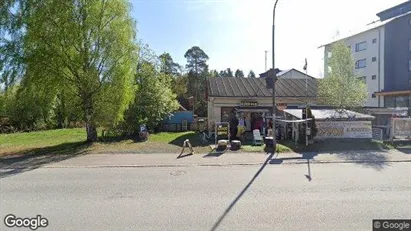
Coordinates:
[204,138]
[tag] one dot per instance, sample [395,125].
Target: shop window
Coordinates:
[401,101]
[389,101]
[396,101]
[225,113]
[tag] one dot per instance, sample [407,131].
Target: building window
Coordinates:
[389,101]
[360,46]
[409,65]
[225,113]
[374,77]
[373,95]
[374,59]
[409,45]
[401,101]
[329,54]
[362,63]
[374,40]
[396,101]
[363,78]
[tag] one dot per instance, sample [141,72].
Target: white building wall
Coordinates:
[375,68]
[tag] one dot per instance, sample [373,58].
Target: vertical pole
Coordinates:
[306,107]
[265,60]
[274,79]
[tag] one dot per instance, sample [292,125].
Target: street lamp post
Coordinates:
[274,79]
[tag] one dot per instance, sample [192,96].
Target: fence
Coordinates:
[180,127]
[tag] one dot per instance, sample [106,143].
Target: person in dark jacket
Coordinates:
[233,126]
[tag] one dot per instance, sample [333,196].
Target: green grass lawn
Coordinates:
[70,140]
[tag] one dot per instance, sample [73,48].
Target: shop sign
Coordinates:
[222,130]
[247,103]
[401,127]
[343,129]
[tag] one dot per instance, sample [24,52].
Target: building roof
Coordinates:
[323,114]
[256,87]
[371,26]
[395,11]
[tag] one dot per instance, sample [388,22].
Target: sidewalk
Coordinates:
[226,159]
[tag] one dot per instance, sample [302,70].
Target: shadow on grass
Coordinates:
[31,159]
[194,140]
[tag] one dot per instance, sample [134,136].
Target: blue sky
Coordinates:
[235,33]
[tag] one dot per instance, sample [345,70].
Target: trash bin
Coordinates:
[235,145]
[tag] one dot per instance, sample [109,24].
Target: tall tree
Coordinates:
[342,89]
[168,66]
[229,72]
[223,74]
[239,73]
[154,98]
[197,75]
[13,17]
[214,73]
[87,46]
[251,74]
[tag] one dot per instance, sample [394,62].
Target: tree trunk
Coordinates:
[89,119]
[91,131]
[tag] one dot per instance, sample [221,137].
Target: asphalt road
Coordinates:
[278,197]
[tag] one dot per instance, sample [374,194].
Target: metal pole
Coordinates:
[274,79]
[306,106]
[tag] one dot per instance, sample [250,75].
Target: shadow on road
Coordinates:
[405,150]
[34,158]
[304,156]
[215,153]
[376,160]
[215,226]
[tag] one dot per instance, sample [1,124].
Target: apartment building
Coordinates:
[382,55]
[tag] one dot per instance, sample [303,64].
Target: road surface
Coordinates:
[276,197]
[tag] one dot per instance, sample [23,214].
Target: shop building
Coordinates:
[251,98]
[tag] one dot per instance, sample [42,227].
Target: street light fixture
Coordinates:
[274,79]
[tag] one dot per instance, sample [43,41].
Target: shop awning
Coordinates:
[393,93]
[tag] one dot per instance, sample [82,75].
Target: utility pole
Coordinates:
[265,60]
[274,79]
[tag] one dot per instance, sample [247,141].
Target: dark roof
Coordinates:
[395,11]
[256,87]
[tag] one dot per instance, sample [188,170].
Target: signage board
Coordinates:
[401,127]
[247,103]
[222,131]
[344,129]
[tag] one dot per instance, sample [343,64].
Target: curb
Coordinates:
[218,164]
